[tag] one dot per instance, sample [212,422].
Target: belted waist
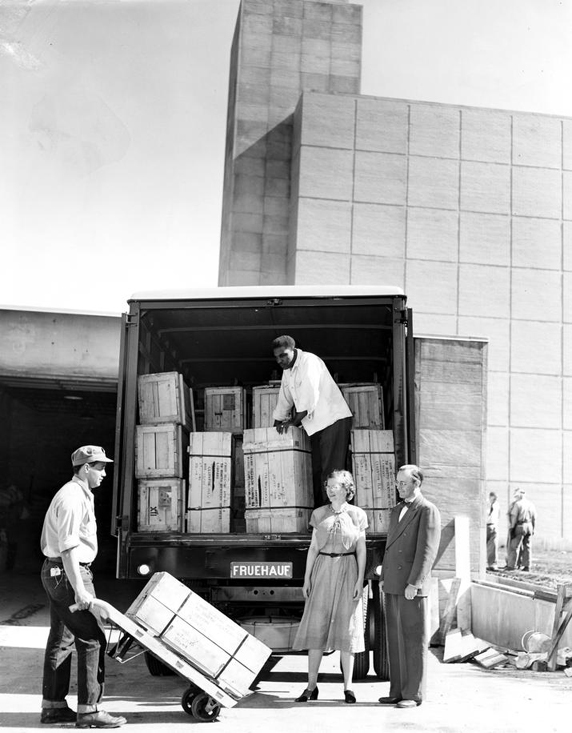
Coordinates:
[59,561]
[337,554]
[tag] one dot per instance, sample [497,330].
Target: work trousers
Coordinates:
[519,549]
[492,546]
[67,629]
[408,643]
[329,453]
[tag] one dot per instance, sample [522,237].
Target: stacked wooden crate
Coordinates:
[373,462]
[372,452]
[264,400]
[199,633]
[278,478]
[161,442]
[210,482]
[225,409]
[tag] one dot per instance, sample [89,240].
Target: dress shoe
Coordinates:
[525,570]
[408,703]
[99,719]
[57,715]
[349,697]
[389,700]
[308,695]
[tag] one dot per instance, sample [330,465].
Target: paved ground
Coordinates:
[461,697]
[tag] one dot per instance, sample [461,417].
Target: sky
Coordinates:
[113,116]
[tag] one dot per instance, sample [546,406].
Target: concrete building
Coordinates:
[469,210]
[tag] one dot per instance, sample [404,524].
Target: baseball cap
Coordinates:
[89,454]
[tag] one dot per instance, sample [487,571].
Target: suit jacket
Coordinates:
[411,547]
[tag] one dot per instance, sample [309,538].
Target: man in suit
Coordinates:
[410,551]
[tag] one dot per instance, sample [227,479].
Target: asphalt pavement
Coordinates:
[460,697]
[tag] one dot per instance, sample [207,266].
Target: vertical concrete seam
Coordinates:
[562,314]
[511,236]
[353,196]
[457,319]
[407,183]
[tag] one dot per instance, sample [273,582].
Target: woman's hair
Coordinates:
[346,480]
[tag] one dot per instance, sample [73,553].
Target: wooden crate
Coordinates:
[264,400]
[160,451]
[378,520]
[366,403]
[278,469]
[160,505]
[200,633]
[210,482]
[373,464]
[225,409]
[277,521]
[164,398]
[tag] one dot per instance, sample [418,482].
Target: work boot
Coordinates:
[57,715]
[99,719]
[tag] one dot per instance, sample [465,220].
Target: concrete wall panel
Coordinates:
[536,347]
[497,330]
[378,230]
[498,398]
[380,178]
[432,286]
[324,226]
[432,234]
[536,243]
[368,270]
[484,239]
[535,401]
[485,136]
[536,294]
[485,187]
[434,182]
[537,192]
[434,131]
[537,141]
[497,454]
[531,451]
[484,291]
[381,126]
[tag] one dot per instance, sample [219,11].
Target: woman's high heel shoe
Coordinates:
[349,696]
[308,695]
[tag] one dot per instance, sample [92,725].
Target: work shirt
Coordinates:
[309,386]
[70,522]
[522,512]
[493,514]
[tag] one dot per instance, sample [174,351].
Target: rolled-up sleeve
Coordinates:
[69,514]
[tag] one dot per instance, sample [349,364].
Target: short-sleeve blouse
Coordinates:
[338,531]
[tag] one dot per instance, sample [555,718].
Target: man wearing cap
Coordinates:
[410,551]
[69,543]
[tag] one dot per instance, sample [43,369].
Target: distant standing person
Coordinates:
[319,406]
[69,543]
[333,585]
[410,551]
[493,515]
[522,523]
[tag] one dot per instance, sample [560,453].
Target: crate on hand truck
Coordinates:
[217,657]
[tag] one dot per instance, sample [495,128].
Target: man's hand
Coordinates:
[282,425]
[410,592]
[83,599]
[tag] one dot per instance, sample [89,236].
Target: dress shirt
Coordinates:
[309,386]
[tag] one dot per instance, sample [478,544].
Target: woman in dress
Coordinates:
[333,584]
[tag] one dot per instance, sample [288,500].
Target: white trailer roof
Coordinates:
[269,291]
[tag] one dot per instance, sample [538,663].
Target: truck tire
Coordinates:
[361,659]
[380,651]
[156,667]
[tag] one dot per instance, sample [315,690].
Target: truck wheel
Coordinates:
[204,708]
[361,659]
[156,667]
[380,651]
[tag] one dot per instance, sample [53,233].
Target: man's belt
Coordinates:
[59,561]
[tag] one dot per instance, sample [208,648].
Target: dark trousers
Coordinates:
[67,629]
[492,543]
[408,642]
[329,453]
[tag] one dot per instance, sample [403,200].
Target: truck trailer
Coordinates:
[223,337]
